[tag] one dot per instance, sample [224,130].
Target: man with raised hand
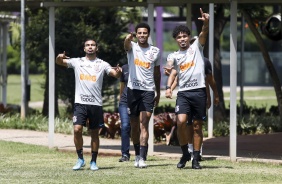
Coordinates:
[89,72]
[143,81]
[191,96]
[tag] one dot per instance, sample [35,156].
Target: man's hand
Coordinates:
[167,69]
[60,59]
[216,100]
[130,36]
[168,93]
[156,100]
[63,56]
[205,17]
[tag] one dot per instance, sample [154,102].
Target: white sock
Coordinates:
[201,150]
[190,148]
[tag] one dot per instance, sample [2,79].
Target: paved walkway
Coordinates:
[261,148]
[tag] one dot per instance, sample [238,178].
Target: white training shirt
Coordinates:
[190,67]
[141,64]
[89,79]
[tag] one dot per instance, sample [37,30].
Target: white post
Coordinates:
[211,58]
[23,67]
[233,80]
[151,123]
[51,75]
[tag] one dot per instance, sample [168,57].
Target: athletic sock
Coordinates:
[143,151]
[137,148]
[184,149]
[80,153]
[94,156]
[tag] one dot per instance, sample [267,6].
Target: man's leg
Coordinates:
[198,137]
[183,139]
[144,135]
[190,133]
[78,142]
[135,137]
[95,143]
[125,133]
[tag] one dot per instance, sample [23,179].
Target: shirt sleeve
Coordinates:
[108,67]
[71,62]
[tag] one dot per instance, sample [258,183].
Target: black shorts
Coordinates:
[139,100]
[92,112]
[192,103]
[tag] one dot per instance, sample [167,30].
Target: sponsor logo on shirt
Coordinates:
[138,83]
[142,63]
[191,83]
[87,77]
[87,98]
[186,66]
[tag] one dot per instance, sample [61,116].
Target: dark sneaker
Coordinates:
[196,164]
[124,159]
[183,161]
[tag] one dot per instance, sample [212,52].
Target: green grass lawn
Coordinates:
[255,98]
[22,163]
[14,88]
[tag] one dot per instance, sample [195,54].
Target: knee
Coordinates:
[197,126]
[77,130]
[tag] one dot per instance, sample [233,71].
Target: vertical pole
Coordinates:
[211,58]
[159,33]
[1,63]
[233,80]
[189,16]
[23,67]
[151,122]
[4,66]
[151,23]
[51,75]
[242,67]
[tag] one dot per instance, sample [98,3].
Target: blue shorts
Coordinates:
[139,100]
[192,103]
[93,113]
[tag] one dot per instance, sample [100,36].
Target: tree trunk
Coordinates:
[267,60]
[220,21]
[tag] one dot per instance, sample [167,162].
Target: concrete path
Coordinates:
[261,148]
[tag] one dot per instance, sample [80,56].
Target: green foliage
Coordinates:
[106,26]
[14,60]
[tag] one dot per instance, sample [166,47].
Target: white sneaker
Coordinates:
[142,163]
[136,162]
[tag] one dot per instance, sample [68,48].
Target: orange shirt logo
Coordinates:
[186,66]
[87,77]
[142,63]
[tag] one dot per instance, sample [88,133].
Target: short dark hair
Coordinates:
[90,39]
[142,25]
[180,29]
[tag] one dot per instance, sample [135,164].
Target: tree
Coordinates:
[220,19]
[250,15]
[106,26]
